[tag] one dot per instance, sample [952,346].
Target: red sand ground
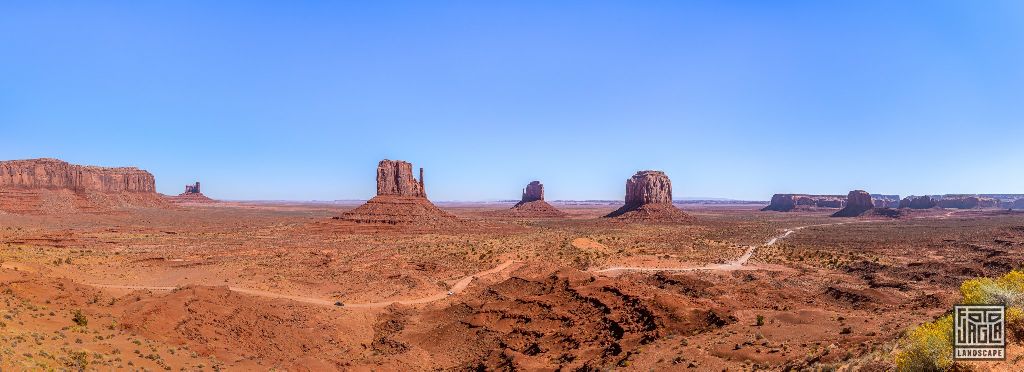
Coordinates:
[248,286]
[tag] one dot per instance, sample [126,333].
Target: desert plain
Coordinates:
[288,286]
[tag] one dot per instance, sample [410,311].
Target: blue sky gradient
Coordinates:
[739,99]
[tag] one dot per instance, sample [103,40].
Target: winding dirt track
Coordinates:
[459,286]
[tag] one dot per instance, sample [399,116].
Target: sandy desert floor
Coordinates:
[258,286]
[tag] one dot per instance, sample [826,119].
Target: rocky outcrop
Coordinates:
[1018,204]
[885,201]
[917,202]
[51,186]
[56,174]
[960,202]
[400,200]
[857,202]
[532,205]
[394,177]
[649,198]
[192,194]
[790,202]
[534,191]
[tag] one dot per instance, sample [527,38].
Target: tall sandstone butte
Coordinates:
[394,177]
[649,198]
[58,174]
[53,186]
[400,200]
[857,203]
[532,204]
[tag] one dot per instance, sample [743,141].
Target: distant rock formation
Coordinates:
[532,205]
[959,202]
[885,201]
[400,200]
[857,202]
[54,186]
[649,198]
[192,194]
[918,202]
[1018,204]
[790,202]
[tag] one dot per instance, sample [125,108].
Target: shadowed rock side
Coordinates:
[401,199]
[532,205]
[918,202]
[46,186]
[790,202]
[649,198]
[857,202]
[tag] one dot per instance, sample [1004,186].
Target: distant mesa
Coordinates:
[532,205]
[401,199]
[791,202]
[966,202]
[918,202]
[857,203]
[46,186]
[192,194]
[649,198]
[1017,204]
[885,201]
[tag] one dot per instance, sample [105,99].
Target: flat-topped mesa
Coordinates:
[954,201]
[857,203]
[649,198]
[918,202]
[534,191]
[789,202]
[394,177]
[58,174]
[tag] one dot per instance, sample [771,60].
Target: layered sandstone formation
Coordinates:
[400,200]
[649,198]
[790,202]
[857,202]
[57,174]
[918,202]
[885,201]
[55,186]
[532,204]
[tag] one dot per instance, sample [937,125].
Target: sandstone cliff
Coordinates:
[394,177]
[51,186]
[533,191]
[918,202]
[57,174]
[790,202]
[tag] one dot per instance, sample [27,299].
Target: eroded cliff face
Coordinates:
[57,174]
[649,198]
[648,187]
[789,202]
[394,177]
[918,202]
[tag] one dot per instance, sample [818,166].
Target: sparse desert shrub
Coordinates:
[929,347]
[79,318]
[760,320]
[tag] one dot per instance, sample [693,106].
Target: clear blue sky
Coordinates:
[741,99]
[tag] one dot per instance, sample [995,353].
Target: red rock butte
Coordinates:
[192,194]
[532,204]
[401,199]
[649,198]
[56,186]
[858,202]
